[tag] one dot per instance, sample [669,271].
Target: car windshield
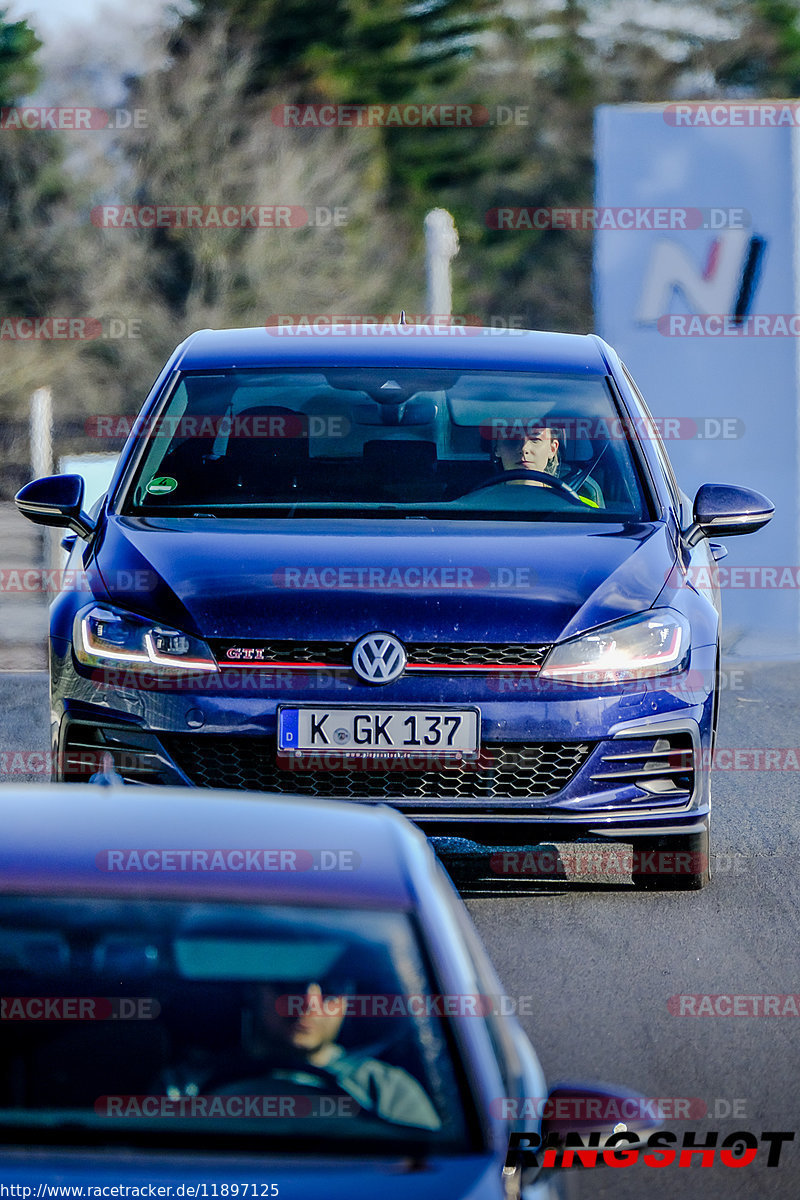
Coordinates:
[391,442]
[239,1026]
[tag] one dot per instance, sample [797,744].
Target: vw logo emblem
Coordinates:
[379,658]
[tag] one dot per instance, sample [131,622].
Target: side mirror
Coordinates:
[598,1108]
[581,1118]
[722,510]
[56,500]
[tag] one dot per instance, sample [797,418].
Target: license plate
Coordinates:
[389,731]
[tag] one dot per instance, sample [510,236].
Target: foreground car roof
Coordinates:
[471,347]
[57,838]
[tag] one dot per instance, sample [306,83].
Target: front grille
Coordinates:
[517,770]
[456,654]
[419,654]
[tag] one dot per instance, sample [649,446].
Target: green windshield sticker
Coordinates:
[161,484]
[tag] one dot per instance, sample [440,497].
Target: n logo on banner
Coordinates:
[725,284]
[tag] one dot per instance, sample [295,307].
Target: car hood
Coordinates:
[418,579]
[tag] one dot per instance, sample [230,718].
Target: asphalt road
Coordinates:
[592,972]
[600,967]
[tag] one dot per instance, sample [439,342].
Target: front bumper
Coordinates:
[557,762]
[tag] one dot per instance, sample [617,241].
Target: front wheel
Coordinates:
[674,862]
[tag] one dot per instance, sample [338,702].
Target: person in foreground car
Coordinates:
[291,1036]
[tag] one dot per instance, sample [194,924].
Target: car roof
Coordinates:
[466,346]
[56,839]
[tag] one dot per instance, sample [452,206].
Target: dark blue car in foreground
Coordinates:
[450,570]
[227,996]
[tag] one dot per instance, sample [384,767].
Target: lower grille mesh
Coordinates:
[504,769]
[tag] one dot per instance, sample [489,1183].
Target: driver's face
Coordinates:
[310,1024]
[529,452]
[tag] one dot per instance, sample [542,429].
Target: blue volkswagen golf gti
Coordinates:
[449,570]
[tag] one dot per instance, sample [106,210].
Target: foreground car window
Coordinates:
[157,1021]
[370,442]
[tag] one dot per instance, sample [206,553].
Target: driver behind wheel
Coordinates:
[535,449]
[289,1037]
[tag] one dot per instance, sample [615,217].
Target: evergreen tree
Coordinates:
[18,73]
[37,278]
[346,50]
[765,61]
[366,52]
[537,278]
[32,186]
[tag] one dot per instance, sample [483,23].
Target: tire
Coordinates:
[689,873]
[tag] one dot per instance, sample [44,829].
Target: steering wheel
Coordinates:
[269,1084]
[521,473]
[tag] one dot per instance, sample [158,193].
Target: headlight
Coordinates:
[102,635]
[651,643]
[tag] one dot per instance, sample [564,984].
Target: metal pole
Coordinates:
[441,244]
[42,432]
